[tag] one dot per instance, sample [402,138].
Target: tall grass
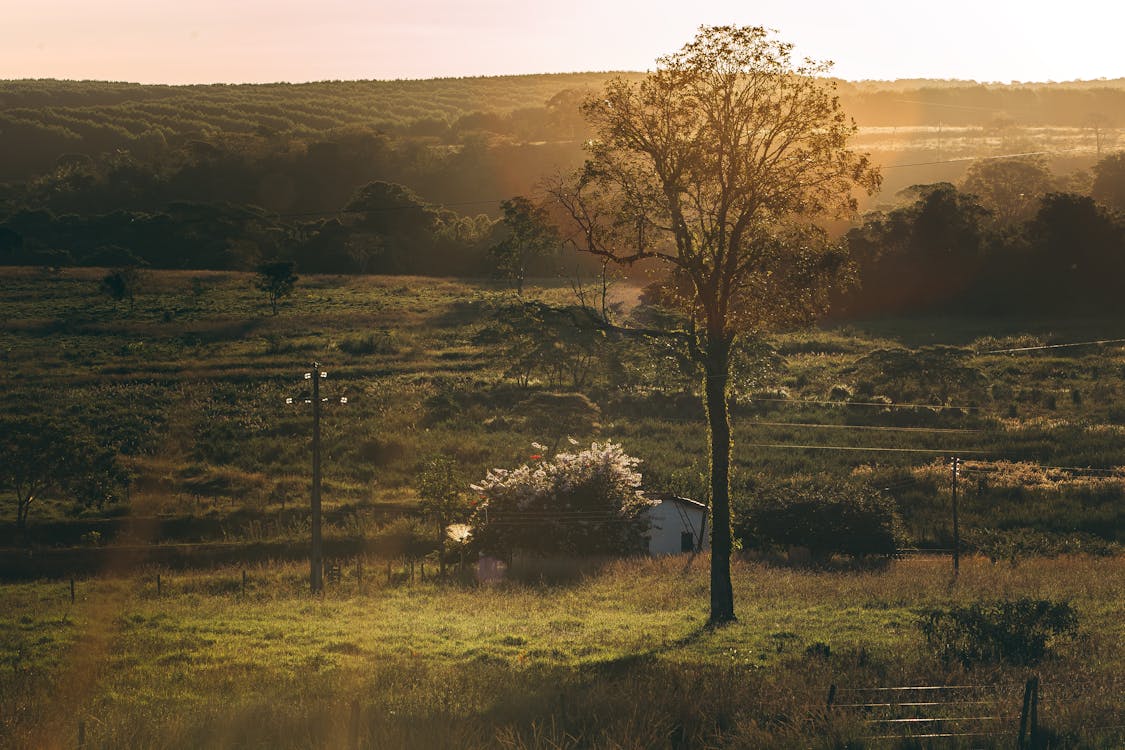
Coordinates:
[618,659]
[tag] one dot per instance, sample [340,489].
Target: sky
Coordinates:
[254,41]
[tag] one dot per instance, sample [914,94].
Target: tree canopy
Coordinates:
[716,166]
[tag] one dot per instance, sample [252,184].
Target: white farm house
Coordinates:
[676,525]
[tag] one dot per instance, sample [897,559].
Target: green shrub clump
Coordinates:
[844,519]
[1013,631]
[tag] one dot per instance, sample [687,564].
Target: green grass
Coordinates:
[192,385]
[617,659]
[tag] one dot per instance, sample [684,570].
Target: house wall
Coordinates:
[666,524]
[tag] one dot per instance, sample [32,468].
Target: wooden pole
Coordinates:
[243,581]
[956,526]
[158,588]
[316,581]
[72,589]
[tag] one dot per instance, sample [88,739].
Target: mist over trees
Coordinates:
[410,177]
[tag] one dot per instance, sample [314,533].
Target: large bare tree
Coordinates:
[719,164]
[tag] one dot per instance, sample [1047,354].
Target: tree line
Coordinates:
[1011,238]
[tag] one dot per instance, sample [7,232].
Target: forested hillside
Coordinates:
[409,176]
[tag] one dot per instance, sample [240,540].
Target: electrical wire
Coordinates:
[981,158]
[865,427]
[939,451]
[1053,346]
[1024,464]
[870,403]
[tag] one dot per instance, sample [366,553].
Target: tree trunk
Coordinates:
[717,371]
[22,507]
[441,548]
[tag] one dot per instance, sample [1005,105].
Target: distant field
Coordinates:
[616,660]
[903,121]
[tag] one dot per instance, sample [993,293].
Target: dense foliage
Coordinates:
[1017,631]
[943,249]
[226,177]
[839,519]
[583,503]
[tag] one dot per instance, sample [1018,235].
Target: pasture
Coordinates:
[615,659]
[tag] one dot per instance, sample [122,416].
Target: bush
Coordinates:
[1015,544]
[1016,631]
[853,520]
[585,503]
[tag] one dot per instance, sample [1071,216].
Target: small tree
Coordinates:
[276,279]
[530,235]
[589,502]
[42,456]
[121,284]
[1009,188]
[443,492]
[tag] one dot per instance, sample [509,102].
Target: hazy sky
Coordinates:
[189,41]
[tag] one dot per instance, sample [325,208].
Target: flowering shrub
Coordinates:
[588,502]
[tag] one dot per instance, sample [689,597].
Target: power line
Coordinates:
[869,403]
[1053,346]
[996,468]
[865,427]
[981,159]
[958,106]
[938,451]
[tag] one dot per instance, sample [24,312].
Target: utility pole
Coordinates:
[956,527]
[316,553]
[316,559]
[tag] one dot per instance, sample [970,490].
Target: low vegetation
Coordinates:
[188,392]
[617,659]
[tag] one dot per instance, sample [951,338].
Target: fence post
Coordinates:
[81,735]
[243,580]
[72,589]
[831,697]
[1025,712]
[158,584]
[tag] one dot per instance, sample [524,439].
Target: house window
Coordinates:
[687,541]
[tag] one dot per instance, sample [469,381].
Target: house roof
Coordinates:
[668,497]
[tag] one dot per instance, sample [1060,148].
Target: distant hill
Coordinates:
[217,176]
[42,119]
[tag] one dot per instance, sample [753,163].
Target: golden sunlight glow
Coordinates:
[274,40]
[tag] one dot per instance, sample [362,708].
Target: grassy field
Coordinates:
[616,659]
[190,385]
